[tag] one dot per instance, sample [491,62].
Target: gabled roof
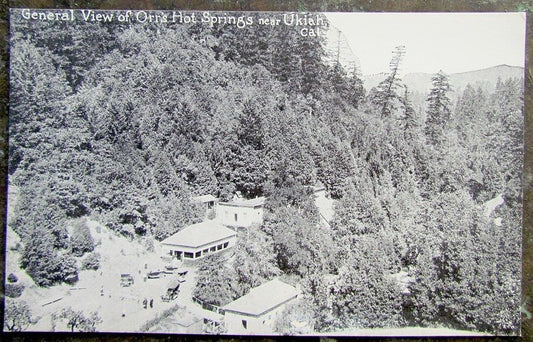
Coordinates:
[251,203]
[199,234]
[263,298]
[205,198]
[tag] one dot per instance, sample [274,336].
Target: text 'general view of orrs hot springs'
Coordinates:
[206,177]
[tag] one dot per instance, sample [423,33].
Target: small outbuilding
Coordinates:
[198,240]
[208,202]
[241,213]
[257,311]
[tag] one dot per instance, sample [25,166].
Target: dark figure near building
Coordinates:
[152,303]
[145,303]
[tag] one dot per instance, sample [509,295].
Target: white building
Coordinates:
[241,213]
[256,312]
[198,240]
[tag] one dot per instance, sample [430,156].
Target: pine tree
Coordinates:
[409,118]
[438,112]
[386,96]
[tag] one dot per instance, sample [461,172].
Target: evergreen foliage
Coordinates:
[13,290]
[386,96]
[91,262]
[255,261]
[216,281]
[439,108]
[132,130]
[81,240]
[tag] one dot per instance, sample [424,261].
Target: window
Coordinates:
[219,247]
[198,254]
[205,251]
[244,324]
[225,244]
[212,249]
[187,255]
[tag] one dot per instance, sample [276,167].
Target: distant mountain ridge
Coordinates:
[421,82]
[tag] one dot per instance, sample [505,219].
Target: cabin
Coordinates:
[241,213]
[208,203]
[257,311]
[198,240]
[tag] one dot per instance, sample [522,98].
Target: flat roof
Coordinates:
[199,234]
[251,203]
[263,298]
[205,198]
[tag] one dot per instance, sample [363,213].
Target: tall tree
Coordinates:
[439,108]
[386,96]
[409,116]
[254,261]
[216,281]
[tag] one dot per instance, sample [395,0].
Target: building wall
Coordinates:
[263,324]
[199,252]
[235,216]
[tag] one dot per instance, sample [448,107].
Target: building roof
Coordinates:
[251,203]
[263,298]
[205,198]
[199,234]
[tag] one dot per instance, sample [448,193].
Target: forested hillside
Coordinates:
[126,123]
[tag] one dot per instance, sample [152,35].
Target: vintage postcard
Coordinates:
[265,173]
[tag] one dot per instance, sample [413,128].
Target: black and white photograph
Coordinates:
[265,173]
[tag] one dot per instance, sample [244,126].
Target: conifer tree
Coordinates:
[438,112]
[386,95]
[409,117]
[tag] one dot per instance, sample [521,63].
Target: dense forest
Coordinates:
[127,122]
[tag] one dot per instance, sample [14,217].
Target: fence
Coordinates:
[208,306]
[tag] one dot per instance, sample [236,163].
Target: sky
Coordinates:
[453,42]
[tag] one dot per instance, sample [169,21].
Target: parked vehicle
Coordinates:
[154,274]
[173,290]
[126,280]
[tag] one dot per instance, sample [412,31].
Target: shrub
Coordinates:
[17,316]
[69,269]
[91,262]
[14,290]
[12,278]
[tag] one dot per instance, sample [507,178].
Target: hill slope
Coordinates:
[486,78]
